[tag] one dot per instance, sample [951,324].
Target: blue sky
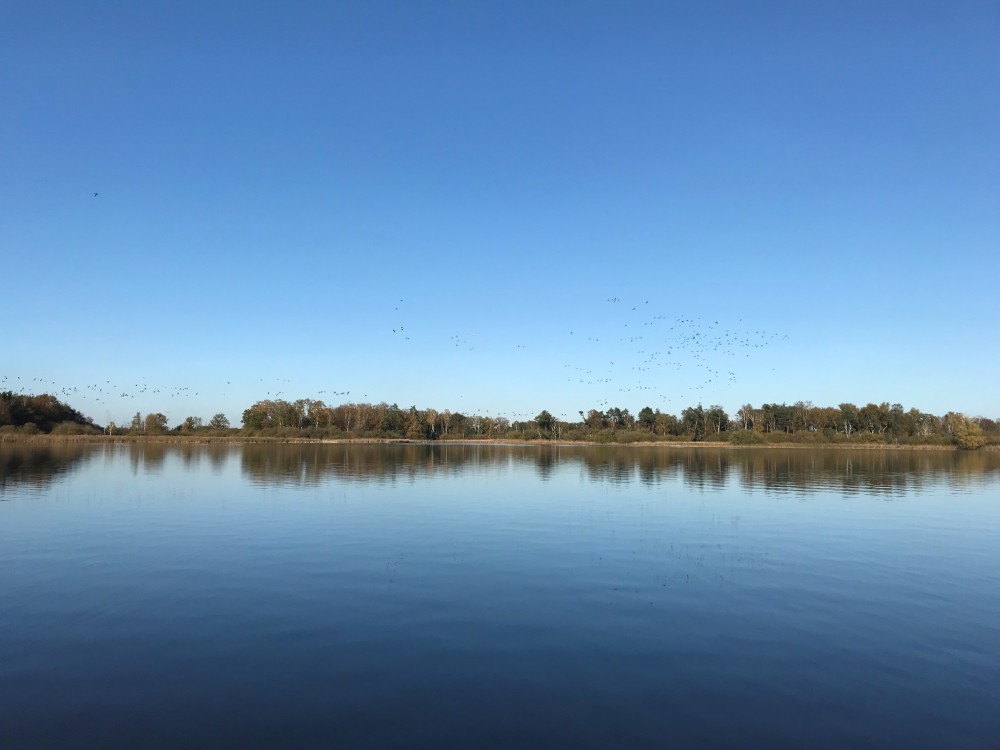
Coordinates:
[441,204]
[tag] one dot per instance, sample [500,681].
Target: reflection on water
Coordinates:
[151,457]
[30,466]
[454,596]
[881,472]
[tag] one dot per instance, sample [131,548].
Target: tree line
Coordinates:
[41,413]
[798,422]
[768,423]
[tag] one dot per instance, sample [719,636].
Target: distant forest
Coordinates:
[801,422]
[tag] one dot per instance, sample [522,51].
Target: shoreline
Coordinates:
[258,440]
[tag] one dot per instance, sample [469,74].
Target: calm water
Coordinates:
[471,596]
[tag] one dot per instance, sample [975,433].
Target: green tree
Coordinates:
[258,416]
[595,420]
[44,411]
[667,424]
[693,420]
[746,416]
[417,427]
[546,422]
[777,417]
[826,419]
[849,418]
[717,419]
[615,417]
[875,418]
[802,416]
[219,422]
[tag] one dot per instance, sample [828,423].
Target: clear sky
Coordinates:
[500,207]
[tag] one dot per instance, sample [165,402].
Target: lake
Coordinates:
[471,596]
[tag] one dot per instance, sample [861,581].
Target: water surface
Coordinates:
[485,596]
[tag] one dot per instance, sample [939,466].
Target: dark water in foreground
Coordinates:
[461,597]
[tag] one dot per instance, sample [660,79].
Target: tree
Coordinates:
[966,432]
[595,419]
[361,411]
[44,411]
[693,419]
[718,419]
[219,422]
[417,427]
[874,417]
[476,423]
[849,418]
[747,416]
[288,414]
[667,424]
[802,416]
[191,424]
[310,412]
[545,422]
[777,417]
[615,417]
[155,423]
[628,421]
[915,423]
[258,416]
[897,417]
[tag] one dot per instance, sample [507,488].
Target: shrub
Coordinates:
[746,437]
[72,428]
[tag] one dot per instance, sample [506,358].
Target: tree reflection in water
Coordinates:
[884,472]
[888,473]
[35,466]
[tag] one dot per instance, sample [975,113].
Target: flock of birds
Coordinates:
[117,398]
[658,356]
[101,393]
[631,351]
[632,354]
